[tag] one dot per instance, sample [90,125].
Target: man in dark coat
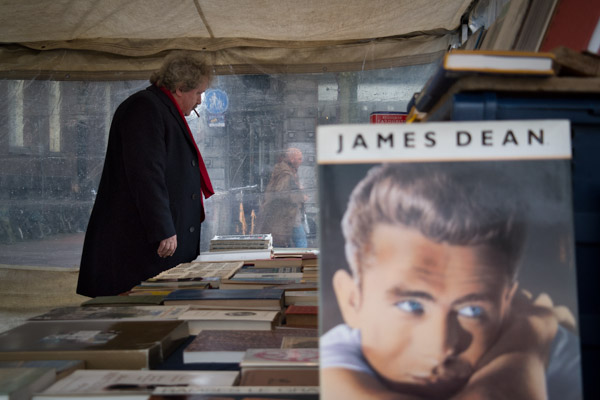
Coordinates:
[149,208]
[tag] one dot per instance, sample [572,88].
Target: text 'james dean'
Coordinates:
[463,138]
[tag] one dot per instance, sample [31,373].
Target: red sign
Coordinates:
[379,117]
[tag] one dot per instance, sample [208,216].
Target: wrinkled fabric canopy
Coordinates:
[116,39]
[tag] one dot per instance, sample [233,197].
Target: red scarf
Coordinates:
[205,184]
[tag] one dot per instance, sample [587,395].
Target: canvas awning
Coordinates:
[116,39]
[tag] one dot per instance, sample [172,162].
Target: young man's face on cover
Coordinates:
[427,311]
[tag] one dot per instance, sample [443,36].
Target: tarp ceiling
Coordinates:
[116,39]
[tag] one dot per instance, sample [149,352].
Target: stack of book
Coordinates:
[304,316]
[266,276]
[478,63]
[194,275]
[310,268]
[100,343]
[259,274]
[113,384]
[124,300]
[280,367]
[228,299]
[165,287]
[217,316]
[239,248]
[230,346]
[241,242]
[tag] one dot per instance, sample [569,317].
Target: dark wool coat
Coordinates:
[149,191]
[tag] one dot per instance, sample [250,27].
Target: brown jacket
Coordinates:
[281,205]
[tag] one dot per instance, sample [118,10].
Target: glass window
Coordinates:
[54,134]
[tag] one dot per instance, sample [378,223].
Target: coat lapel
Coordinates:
[175,112]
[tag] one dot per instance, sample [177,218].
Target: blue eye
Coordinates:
[471,311]
[410,306]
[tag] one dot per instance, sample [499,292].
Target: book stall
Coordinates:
[180,333]
[343,200]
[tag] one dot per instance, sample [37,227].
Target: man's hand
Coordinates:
[562,313]
[514,368]
[531,326]
[167,247]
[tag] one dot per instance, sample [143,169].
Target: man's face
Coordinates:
[296,158]
[191,99]
[427,311]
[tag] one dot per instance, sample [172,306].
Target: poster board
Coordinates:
[531,159]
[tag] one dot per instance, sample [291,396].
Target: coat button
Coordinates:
[192,229]
[194,163]
[195,196]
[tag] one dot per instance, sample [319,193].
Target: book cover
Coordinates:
[61,367]
[279,377]
[251,269]
[301,297]
[229,346]
[235,255]
[245,298]
[124,300]
[254,238]
[148,292]
[140,290]
[275,262]
[310,276]
[280,367]
[238,246]
[302,286]
[124,313]
[251,320]
[86,383]
[101,344]
[198,271]
[299,252]
[237,393]
[245,284]
[291,276]
[302,316]
[22,383]
[308,263]
[295,342]
[460,63]
[225,242]
[164,284]
[449,242]
[281,358]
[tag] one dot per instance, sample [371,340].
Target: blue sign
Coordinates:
[216,101]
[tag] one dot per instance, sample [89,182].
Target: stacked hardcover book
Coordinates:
[519,65]
[202,317]
[241,242]
[239,248]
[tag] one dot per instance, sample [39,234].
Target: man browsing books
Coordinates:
[149,209]
[432,307]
